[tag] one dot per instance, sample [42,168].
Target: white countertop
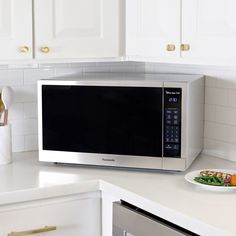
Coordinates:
[165,194]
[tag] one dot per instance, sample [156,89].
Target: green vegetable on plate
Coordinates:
[211,180]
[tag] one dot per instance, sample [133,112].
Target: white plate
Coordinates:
[191,175]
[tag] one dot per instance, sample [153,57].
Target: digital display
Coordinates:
[173,100]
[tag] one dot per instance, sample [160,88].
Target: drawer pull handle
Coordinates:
[33,231]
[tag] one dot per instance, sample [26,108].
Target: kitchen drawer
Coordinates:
[71,215]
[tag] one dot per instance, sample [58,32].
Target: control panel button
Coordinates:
[171,150]
[176,112]
[172,146]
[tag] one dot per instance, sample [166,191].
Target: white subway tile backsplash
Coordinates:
[88,64]
[140,68]
[210,112]
[31,76]
[216,96]
[98,69]
[210,82]
[3,67]
[18,143]
[150,68]
[215,131]
[220,149]
[225,84]
[53,65]
[123,68]
[230,134]
[25,93]
[232,98]
[24,127]
[63,71]
[225,115]
[31,142]
[21,66]
[11,77]
[16,111]
[30,110]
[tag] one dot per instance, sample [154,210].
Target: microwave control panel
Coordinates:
[172,122]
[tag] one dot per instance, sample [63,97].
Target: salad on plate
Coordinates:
[216,178]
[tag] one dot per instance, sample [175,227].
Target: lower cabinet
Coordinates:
[63,216]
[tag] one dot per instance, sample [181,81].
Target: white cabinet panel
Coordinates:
[209,27]
[15,29]
[72,215]
[151,25]
[77,28]
[107,213]
[71,22]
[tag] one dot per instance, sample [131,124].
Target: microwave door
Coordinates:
[103,119]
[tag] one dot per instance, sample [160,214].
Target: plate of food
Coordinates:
[213,179]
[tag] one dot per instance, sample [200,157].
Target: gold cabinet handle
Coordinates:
[33,231]
[45,49]
[170,47]
[24,49]
[185,47]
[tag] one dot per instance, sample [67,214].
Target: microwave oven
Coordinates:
[148,121]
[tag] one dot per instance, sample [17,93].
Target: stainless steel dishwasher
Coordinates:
[129,220]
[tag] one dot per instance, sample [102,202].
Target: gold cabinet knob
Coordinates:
[24,49]
[45,49]
[185,47]
[170,47]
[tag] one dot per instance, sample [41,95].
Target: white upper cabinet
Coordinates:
[209,27]
[77,28]
[188,31]
[191,31]
[153,28]
[15,29]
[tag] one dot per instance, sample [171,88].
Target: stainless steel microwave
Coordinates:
[150,121]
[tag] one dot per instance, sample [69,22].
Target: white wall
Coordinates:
[23,113]
[220,105]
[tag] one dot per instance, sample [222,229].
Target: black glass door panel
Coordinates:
[109,120]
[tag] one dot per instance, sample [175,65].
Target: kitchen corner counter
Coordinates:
[165,194]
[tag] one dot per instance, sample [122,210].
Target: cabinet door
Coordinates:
[209,27]
[15,29]
[151,27]
[77,28]
[73,215]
